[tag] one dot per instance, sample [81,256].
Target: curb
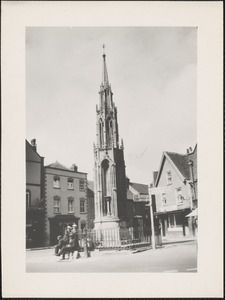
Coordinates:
[40,248]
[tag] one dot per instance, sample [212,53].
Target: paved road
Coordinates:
[171,258]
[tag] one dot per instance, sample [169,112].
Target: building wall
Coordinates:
[173,222]
[90,209]
[33,172]
[64,193]
[170,190]
[35,205]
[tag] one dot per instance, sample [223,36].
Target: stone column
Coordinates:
[100,191]
[114,196]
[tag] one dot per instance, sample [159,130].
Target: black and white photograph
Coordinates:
[112,126]
[111,149]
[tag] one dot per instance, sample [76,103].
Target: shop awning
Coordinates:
[64,218]
[177,211]
[194,213]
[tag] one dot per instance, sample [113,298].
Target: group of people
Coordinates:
[68,243]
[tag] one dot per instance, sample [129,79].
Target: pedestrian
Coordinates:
[76,240]
[59,245]
[66,235]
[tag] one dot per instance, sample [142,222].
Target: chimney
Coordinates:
[74,168]
[190,149]
[127,183]
[34,145]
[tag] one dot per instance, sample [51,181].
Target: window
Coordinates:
[56,205]
[171,220]
[169,178]
[28,199]
[70,184]
[82,205]
[82,185]
[56,182]
[70,205]
[163,199]
[175,220]
[180,198]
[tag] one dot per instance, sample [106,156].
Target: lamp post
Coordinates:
[152,219]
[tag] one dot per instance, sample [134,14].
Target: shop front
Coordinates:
[173,223]
[58,225]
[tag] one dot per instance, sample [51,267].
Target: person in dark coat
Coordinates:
[66,235]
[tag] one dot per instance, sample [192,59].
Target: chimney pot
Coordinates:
[33,144]
[74,168]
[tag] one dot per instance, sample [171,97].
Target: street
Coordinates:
[170,258]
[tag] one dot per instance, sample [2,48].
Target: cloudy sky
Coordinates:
[153,74]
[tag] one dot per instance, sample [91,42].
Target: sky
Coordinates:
[153,75]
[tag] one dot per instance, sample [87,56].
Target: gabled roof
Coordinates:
[28,145]
[139,187]
[57,165]
[180,161]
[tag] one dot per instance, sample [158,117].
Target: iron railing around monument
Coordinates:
[115,238]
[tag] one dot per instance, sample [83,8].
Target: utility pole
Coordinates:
[152,219]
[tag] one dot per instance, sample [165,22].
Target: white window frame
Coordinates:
[70,185]
[82,207]
[70,205]
[56,206]
[56,183]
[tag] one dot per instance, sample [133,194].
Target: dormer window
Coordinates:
[70,184]
[56,182]
[169,178]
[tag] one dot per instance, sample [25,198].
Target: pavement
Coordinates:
[171,257]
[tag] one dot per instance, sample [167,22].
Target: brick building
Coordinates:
[34,196]
[65,199]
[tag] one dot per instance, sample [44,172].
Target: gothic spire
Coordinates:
[105,79]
